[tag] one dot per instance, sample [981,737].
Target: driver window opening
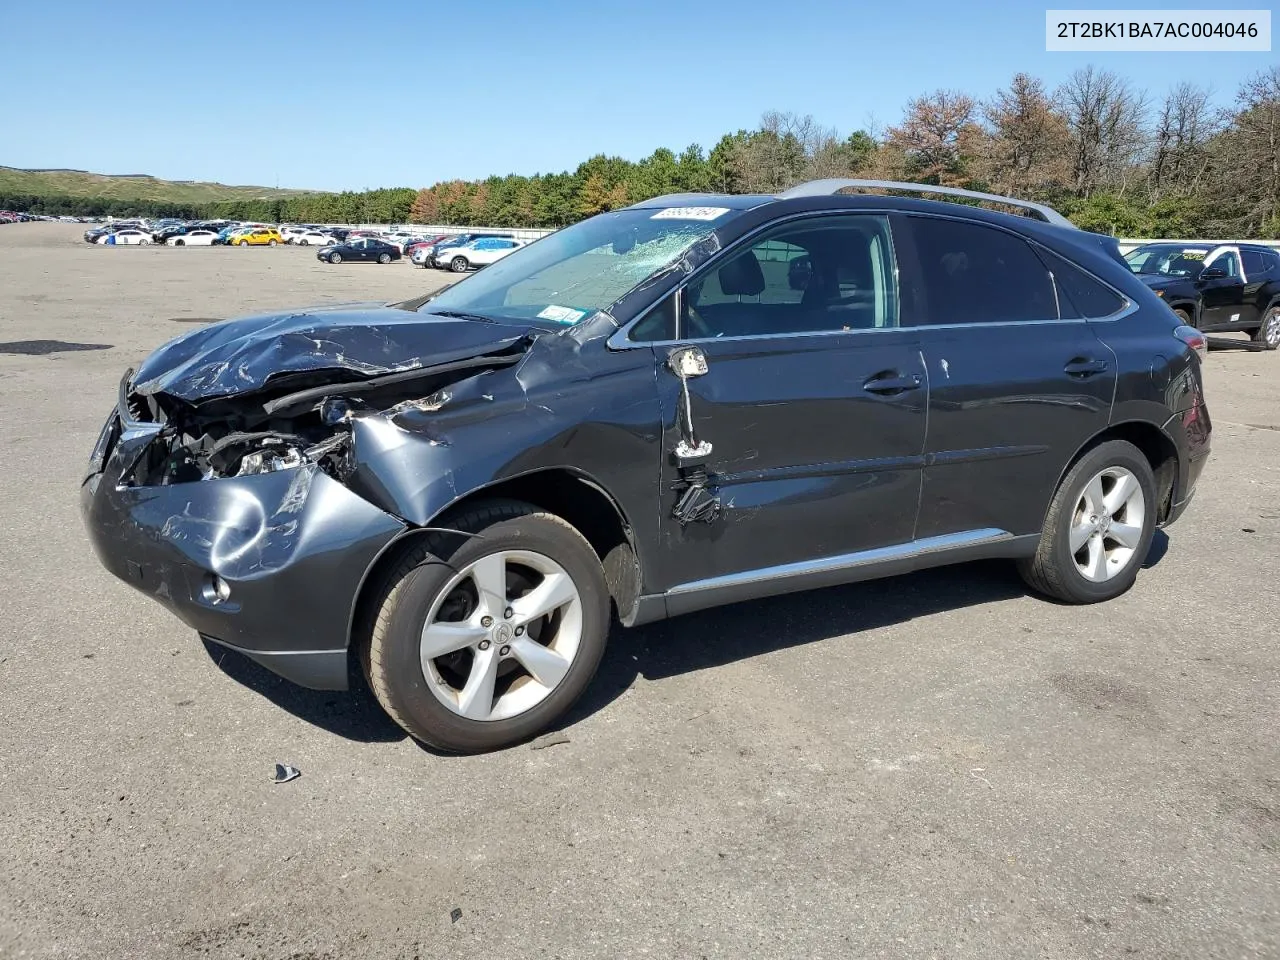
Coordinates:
[823,275]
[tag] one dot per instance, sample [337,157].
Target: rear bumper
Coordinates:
[290,549]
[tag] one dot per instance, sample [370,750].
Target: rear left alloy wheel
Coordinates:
[480,642]
[1268,334]
[1098,529]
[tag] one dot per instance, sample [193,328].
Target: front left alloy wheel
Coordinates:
[482,641]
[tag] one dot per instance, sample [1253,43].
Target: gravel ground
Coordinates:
[934,766]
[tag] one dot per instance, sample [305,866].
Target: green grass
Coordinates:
[78,183]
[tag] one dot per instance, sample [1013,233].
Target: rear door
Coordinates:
[1223,297]
[813,402]
[1259,283]
[1017,383]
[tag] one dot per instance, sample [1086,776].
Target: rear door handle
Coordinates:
[1085,367]
[890,383]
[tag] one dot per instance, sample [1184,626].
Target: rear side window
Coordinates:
[1079,295]
[972,273]
[1255,263]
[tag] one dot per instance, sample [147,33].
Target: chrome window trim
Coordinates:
[846,561]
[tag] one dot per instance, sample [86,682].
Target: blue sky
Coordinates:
[349,95]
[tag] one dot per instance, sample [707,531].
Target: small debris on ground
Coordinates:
[284,773]
[455,914]
[549,740]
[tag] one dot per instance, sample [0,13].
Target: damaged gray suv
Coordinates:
[694,401]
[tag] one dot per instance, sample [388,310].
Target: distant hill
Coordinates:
[15,181]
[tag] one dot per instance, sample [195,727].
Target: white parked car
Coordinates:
[195,238]
[131,235]
[312,238]
[478,253]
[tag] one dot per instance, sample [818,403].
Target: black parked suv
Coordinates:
[655,411]
[1222,288]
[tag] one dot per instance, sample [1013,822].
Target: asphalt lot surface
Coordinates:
[935,766]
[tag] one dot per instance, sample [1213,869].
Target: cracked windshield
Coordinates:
[571,274]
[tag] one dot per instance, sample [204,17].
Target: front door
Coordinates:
[1018,380]
[813,402]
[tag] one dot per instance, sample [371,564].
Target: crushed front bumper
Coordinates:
[269,565]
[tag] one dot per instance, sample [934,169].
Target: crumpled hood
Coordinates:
[354,341]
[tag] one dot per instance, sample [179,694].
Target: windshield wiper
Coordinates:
[457,315]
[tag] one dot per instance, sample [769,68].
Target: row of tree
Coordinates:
[371,206]
[1109,155]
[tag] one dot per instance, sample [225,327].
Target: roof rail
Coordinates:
[823,188]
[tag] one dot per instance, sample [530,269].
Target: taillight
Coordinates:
[1193,338]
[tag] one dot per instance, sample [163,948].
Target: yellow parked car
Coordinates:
[258,237]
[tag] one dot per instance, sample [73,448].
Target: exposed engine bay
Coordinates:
[280,428]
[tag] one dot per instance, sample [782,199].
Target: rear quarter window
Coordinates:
[1080,296]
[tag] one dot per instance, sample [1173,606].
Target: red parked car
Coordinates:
[424,242]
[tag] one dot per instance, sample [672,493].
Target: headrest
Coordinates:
[742,276]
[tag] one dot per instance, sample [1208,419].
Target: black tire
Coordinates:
[459,265]
[304,242]
[271,243]
[1183,316]
[391,654]
[1052,571]
[1268,332]
[335,258]
[384,258]
[179,243]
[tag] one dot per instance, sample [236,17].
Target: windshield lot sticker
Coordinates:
[690,213]
[561,314]
[1194,254]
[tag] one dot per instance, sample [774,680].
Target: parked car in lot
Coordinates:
[193,238]
[257,237]
[649,412]
[477,253]
[1227,287]
[314,238]
[361,249]
[436,251]
[131,235]
[420,244]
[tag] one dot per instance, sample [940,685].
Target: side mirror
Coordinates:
[687,362]
[1212,273]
